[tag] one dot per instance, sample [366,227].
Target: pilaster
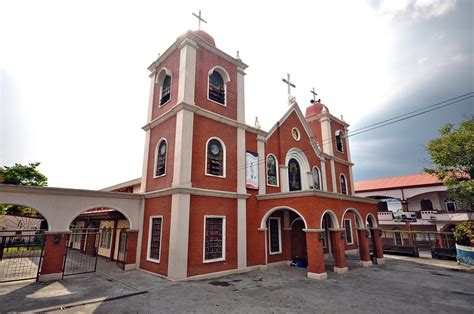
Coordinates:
[240,95]
[326,135]
[333,175]
[284,178]
[187,72]
[262,184]
[323,176]
[179,236]
[183,149]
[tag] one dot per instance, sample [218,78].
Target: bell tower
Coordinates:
[196,98]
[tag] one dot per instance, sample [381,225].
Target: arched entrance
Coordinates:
[21,242]
[328,222]
[98,241]
[356,236]
[285,239]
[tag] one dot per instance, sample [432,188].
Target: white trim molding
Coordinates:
[276,169]
[148,258]
[225,78]
[224,158]
[220,259]
[156,158]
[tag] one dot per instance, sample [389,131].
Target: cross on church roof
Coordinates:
[288,82]
[314,94]
[200,19]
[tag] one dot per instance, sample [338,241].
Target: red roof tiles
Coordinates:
[397,182]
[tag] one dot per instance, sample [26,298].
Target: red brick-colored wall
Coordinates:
[160,206]
[165,130]
[201,206]
[172,64]
[315,126]
[205,61]
[204,129]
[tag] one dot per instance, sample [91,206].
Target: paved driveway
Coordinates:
[399,286]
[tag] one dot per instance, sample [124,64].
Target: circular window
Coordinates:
[295,133]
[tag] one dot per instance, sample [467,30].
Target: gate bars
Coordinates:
[21,253]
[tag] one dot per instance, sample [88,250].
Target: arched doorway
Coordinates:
[21,242]
[98,241]
[328,221]
[285,239]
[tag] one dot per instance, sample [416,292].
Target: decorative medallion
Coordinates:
[296,134]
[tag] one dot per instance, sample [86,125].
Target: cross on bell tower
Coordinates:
[314,94]
[199,19]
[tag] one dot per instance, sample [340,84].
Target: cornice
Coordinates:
[196,191]
[314,193]
[204,113]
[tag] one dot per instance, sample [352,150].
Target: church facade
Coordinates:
[221,196]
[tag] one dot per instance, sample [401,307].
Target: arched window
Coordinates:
[426,204]
[294,175]
[339,145]
[163,79]
[216,87]
[316,179]
[215,158]
[162,150]
[272,173]
[343,182]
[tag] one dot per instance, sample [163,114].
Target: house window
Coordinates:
[343,182]
[165,90]
[161,158]
[214,239]
[216,88]
[294,175]
[450,205]
[426,204]
[154,238]
[274,232]
[272,175]
[106,235]
[339,145]
[348,227]
[215,158]
[316,179]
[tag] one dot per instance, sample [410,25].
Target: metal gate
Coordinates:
[21,253]
[81,259]
[122,248]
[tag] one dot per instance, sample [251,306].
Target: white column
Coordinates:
[262,182]
[348,150]
[179,234]
[333,174]
[284,178]
[323,175]
[187,72]
[241,203]
[240,95]
[147,135]
[183,149]
[326,135]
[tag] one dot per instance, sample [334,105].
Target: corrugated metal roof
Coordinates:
[397,182]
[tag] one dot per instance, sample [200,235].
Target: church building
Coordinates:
[221,196]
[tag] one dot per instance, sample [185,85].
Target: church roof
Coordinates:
[413,180]
[206,37]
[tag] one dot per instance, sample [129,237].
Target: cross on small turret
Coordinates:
[200,19]
[314,94]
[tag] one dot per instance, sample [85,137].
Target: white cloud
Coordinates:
[417,9]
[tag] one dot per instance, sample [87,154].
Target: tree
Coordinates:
[21,175]
[453,156]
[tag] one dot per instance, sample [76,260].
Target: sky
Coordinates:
[74,82]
